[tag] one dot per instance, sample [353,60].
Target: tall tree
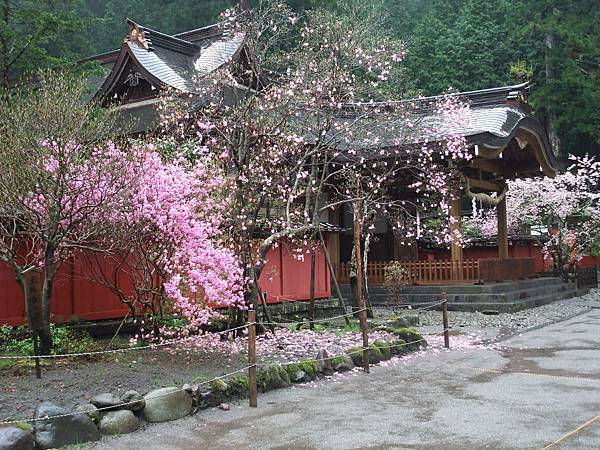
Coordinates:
[38,34]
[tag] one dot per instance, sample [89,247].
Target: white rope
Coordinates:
[328,319]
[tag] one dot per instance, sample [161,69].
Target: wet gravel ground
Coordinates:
[494,327]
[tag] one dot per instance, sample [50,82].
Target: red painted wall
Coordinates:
[285,277]
[589,261]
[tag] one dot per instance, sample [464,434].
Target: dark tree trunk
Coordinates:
[46,303]
[311,310]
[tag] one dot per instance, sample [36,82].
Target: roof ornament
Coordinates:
[133,79]
[137,34]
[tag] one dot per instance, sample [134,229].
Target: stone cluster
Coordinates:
[109,414]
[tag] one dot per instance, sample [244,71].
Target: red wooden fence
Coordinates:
[286,277]
[447,271]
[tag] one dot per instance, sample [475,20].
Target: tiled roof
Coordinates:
[170,61]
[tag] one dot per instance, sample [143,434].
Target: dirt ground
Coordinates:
[73,381]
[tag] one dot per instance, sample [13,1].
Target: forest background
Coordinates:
[459,44]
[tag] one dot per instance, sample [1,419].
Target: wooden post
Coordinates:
[502,229]
[359,278]
[456,252]
[266,312]
[252,358]
[334,278]
[445,320]
[36,352]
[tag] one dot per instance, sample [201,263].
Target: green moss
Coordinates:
[292,369]
[412,337]
[310,368]
[219,390]
[25,426]
[238,387]
[385,349]
[283,375]
[399,347]
[336,361]
[356,354]
[386,329]
[375,354]
[273,376]
[218,386]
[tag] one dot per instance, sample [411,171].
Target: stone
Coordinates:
[342,363]
[299,376]
[14,438]
[106,400]
[224,407]
[135,400]
[166,404]
[121,421]
[187,388]
[324,363]
[272,376]
[60,431]
[89,409]
[404,321]
[219,390]
[206,399]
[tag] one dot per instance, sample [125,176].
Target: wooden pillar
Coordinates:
[456,251]
[334,238]
[502,229]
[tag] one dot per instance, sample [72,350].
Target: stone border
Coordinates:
[109,414]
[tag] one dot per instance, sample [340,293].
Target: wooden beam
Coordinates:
[484,185]
[502,229]
[456,251]
[488,165]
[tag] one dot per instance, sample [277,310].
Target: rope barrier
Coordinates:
[117,350]
[355,352]
[120,405]
[328,319]
[409,307]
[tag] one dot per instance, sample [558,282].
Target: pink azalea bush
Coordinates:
[175,209]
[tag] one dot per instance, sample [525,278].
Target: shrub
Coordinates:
[396,278]
[65,340]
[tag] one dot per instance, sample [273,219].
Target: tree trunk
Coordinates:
[311,310]
[550,116]
[46,303]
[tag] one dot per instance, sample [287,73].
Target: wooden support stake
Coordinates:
[502,229]
[445,320]
[252,358]
[334,278]
[359,278]
[36,352]
[266,312]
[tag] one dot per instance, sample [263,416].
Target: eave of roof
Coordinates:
[168,61]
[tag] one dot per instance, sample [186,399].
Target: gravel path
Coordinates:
[492,327]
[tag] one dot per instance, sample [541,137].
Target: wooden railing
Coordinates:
[587,277]
[447,271]
[418,272]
